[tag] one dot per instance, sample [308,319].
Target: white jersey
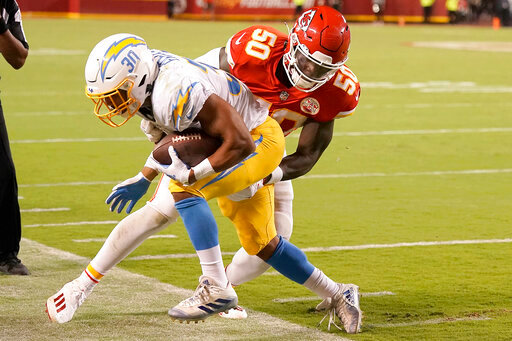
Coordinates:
[182,87]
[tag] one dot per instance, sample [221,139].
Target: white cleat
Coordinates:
[62,306]
[208,299]
[345,305]
[236,313]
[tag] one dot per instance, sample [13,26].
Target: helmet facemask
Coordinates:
[116,107]
[307,72]
[318,47]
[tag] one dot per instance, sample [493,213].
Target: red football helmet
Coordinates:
[318,47]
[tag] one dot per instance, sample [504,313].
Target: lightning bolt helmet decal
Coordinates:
[115,50]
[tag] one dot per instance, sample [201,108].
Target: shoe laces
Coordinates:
[201,295]
[338,305]
[331,312]
[79,293]
[81,297]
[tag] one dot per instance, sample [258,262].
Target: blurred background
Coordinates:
[477,12]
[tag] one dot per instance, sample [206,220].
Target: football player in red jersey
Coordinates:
[304,83]
[303,80]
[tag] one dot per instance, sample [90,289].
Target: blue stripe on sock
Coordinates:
[291,262]
[199,221]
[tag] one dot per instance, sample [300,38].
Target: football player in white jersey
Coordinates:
[125,78]
[275,67]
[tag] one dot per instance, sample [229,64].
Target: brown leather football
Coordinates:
[192,145]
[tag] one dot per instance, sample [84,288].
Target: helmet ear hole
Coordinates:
[142,81]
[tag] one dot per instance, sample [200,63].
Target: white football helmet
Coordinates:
[119,74]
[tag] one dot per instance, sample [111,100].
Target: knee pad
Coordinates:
[163,202]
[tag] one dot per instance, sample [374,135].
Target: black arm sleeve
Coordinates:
[12,17]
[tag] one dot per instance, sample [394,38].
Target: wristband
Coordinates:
[203,169]
[141,176]
[3,26]
[151,163]
[276,176]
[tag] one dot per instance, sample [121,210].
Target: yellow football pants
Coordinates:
[254,217]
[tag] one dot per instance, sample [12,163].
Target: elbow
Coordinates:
[247,147]
[18,63]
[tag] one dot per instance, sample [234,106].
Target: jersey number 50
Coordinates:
[259,46]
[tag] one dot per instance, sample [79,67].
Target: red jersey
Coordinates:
[254,54]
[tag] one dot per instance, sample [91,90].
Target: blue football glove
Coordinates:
[129,190]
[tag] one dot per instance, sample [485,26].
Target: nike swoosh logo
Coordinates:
[238,42]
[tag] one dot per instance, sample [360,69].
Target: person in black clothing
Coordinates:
[14,49]
[170,8]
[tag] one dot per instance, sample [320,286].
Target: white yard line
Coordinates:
[345,248]
[56,52]
[386,246]
[123,282]
[56,209]
[427,322]
[85,139]
[367,175]
[426,131]
[49,113]
[172,256]
[336,134]
[486,46]
[361,106]
[305,177]
[158,236]
[316,298]
[76,223]
[78,183]
[439,86]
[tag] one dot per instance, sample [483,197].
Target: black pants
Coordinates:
[10,221]
[427,12]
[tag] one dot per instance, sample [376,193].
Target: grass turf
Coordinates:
[425,89]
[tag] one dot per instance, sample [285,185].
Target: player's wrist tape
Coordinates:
[276,176]
[141,176]
[203,169]
[152,163]
[3,26]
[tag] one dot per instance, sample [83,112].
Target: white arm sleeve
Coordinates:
[211,58]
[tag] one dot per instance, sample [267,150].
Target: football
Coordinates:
[192,146]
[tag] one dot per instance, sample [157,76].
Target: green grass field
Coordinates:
[427,157]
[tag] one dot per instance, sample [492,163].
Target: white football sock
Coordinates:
[320,284]
[127,236]
[212,265]
[87,280]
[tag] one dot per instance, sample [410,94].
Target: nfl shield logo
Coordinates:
[283,96]
[310,106]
